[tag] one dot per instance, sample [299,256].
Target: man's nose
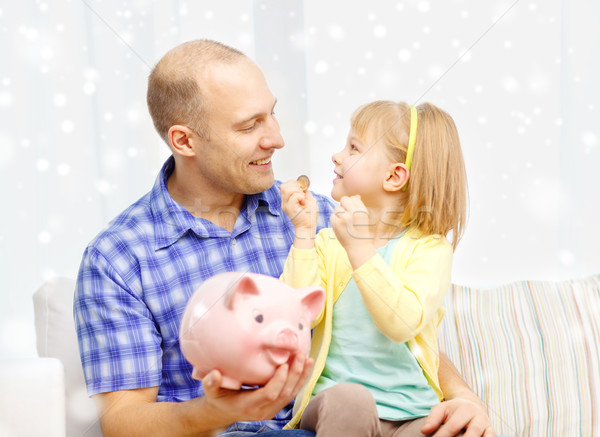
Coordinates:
[272,138]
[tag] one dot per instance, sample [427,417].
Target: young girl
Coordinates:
[385,264]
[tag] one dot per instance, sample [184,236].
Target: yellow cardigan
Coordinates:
[404,298]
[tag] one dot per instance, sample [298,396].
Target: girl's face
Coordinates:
[360,168]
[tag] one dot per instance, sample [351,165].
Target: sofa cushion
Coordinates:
[32,397]
[531,351]
[56,337]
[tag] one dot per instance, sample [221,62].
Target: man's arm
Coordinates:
[136,412]
[462,409]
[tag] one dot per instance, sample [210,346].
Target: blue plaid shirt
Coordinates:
[137,275]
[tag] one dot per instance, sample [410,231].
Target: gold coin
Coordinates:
[303,181]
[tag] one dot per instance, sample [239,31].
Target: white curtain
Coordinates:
[519,77]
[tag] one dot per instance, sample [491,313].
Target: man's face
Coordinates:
[242,130]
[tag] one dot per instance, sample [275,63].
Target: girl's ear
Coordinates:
[180,138]
[396,177]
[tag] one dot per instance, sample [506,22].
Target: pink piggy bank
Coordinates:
[246,325]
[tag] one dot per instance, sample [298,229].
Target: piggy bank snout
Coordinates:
[287,339]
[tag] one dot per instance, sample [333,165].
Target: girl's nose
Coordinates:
[336,158]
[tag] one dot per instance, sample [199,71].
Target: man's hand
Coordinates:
[262,403]
[137,413]
[462,409]
[451,417]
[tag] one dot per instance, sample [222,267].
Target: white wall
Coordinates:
[520,78]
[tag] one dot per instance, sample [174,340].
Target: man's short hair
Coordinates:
[174,95]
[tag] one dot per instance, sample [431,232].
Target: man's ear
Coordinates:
[396,177]
[180,138]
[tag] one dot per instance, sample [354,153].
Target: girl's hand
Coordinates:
[301,207]
[351,224]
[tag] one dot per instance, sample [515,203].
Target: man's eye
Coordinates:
[249,129]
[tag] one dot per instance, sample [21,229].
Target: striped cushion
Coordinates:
[531,351]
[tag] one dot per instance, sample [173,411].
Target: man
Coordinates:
[215,207]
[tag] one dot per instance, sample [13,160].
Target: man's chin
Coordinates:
[260,185]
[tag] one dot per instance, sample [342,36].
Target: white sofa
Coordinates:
[530,350]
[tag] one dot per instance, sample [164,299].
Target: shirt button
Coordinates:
[233,241]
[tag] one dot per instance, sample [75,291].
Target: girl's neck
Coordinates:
[386,224]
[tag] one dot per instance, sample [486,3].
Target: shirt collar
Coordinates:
[269,198]
[172,221]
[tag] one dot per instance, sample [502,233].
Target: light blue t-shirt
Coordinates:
[360,353]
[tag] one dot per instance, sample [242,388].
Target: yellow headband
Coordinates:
[412,139]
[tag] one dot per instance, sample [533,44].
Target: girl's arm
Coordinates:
[402,298]
[406,296]
[302,265]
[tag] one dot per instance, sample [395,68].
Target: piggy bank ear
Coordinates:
[313,299]
[240,290]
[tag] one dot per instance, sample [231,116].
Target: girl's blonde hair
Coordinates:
[436,197]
